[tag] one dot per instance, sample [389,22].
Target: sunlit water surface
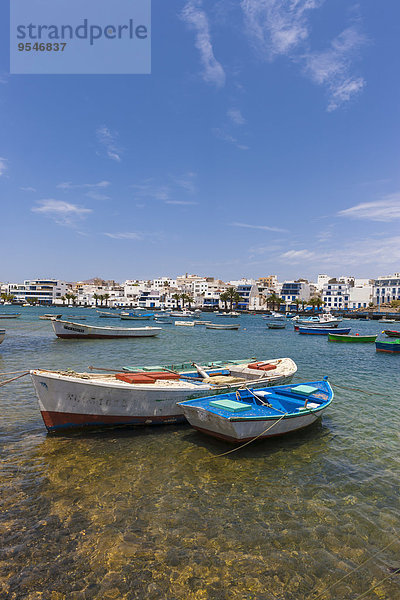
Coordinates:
[154,513]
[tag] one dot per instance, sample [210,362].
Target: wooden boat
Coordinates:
[136,317]
[70,330]
[248,414]
[392,346]
[202,322]
[49,317]
[322,331]
[352,339]
[274,316]
[232,315]
[222,326]
[184,314]
[144,395]
[321,320]
[9,315]
[107,315]
[387,321]
[276,324]
[2,334]
[185,323]
[392,333]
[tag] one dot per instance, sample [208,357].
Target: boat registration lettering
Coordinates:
[74,329]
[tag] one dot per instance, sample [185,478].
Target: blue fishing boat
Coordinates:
[322,331]
[392,346]
[249,414]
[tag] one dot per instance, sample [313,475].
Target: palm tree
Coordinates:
[233,297]
[106,297]
[96,297]
[313,302]
[186,298]
[224,297]
[63,299]
[297,302]
[273,301]
[176,297]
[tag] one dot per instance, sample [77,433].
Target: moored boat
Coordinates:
[49,317]
[322,331]
[250,413]
[9,315]
[392,346]
[185,323]
[222,326]
[107,315]
[69,329]
[276,324]
[2,334]
[392,333]
[352,339]
[145,395]
[136,316]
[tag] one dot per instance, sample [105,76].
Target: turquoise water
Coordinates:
[154,512]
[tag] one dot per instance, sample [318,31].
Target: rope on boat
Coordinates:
[13,372]
[357,569]
[13,378]
[249,441]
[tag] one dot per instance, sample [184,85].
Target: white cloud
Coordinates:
[67,185]
[3,166]
[384,210]
[195,17]
[96,195]
[278,28]
[151,190]
[63,213]
[236,116]
[129,235]
[28,189]
[108,139]
[262,227]
[181,202]
[227,137]
[297,255]
[186,182]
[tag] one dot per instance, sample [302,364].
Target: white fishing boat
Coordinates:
[107,315]
[276,324]
[274,316]
[232,315]
[49,317]
[71,330]
[2,334]
[9,315]
[145,395]
[323,319]
[185,323]
[125,316]
[184,314]
[222,326]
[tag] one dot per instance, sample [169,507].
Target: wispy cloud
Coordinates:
[297,255]
[28,189]
[128,235]
[3,166]
[67,185]
[63,213]
[262,227]
[385,210]
[148,189]
[332,67]
[93,195]
[186,182]
[282,28]
[181,202]
[108,139]
[236,116]
[223,135]
[195,17]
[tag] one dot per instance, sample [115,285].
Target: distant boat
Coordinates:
[274,316]
[392,346]
[71,330]
[221,326]
[229,314]
[387,320]
[9,315]
[49,317]
[184,314]
[325,319]
[2,334]
[352,339]
[259,413]
[276,324]
[392,333]
[185,323]
[136,317]
[107,315]
[147,396]
[322,331]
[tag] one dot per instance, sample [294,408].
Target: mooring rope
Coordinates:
[13,379]
[351,389]
[354,570]
[13,372]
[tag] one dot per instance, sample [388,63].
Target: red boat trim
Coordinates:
[61,420]
[98,336]
[389,351]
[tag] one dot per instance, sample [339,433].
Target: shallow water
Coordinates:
[154,513]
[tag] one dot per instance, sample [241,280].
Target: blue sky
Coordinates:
[266,140]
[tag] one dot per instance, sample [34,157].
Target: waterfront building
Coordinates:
[386,289]
[360,294]
[43,291]
[295,290]
[336,295]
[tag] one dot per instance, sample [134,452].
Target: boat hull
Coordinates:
[68,401]
[392,333]
[322,331]
[71,330]
[352,339]
[392,347]
[2,335]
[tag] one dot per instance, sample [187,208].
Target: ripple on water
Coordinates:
[152,513]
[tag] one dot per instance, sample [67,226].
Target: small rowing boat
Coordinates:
[222,326]
[107,315]
[2,334]
[48,317]
[276,324]
[352,339]
[185,323]
[71,330]
[249,414]
[144,395]
[9,315]
[392,346]
[392,333]
[322,331]
[136,317]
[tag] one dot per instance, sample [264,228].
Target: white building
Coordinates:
[44,291]
[295,290]
[336,295]
[386,289]
[360,294]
